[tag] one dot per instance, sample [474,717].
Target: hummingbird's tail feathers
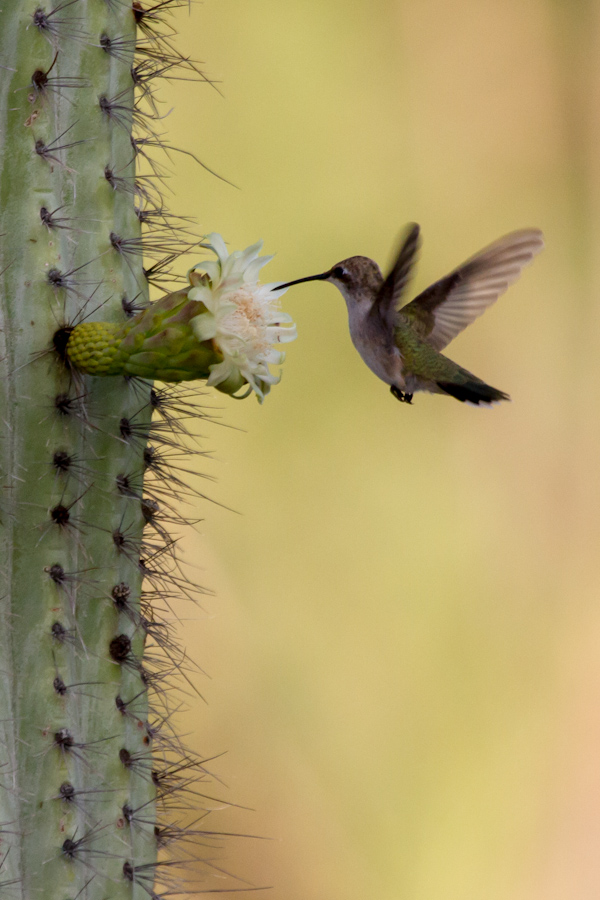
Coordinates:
[472,392]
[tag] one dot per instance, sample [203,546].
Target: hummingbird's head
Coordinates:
[358,278]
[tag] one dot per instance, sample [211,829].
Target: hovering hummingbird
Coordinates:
[402,344]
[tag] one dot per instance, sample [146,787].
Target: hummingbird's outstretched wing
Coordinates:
[392,289]
[448,306]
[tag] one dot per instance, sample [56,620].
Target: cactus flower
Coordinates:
[221,328]
[241,317]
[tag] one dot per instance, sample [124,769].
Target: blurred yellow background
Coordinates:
[403,645]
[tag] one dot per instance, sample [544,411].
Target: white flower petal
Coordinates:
[280,317]
[202,293]
[269,378]
[230,267]
[250,254]
[218,245]
[220,372]
[275,357]
[281,335]
[254,267]
[229,283]
[204,326]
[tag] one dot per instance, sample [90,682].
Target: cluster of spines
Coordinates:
[112,471]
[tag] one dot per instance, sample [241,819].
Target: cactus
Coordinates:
[89,765]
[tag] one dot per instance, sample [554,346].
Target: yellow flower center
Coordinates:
[247,320]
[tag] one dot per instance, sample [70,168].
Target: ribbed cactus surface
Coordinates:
[82,762]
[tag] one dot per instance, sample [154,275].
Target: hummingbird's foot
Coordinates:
[408,398]
[397,393]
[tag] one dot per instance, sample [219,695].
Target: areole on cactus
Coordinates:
[221,329]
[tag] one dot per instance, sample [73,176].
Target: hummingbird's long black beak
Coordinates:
[322,277]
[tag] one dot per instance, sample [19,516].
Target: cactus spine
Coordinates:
[79,767]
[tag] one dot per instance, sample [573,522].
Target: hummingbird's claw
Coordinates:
[399,395]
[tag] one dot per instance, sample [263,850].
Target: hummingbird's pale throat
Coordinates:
[401,344]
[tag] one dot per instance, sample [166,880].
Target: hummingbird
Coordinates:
[402,344]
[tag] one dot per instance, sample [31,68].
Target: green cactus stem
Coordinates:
[80,651]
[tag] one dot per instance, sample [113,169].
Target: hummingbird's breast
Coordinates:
[372,339]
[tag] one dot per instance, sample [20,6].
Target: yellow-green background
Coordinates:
[404,645]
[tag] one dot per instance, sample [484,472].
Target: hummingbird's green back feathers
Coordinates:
[427,369]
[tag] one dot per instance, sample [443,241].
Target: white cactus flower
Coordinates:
[243,318]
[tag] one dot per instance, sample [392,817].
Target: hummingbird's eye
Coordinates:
[339,272]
